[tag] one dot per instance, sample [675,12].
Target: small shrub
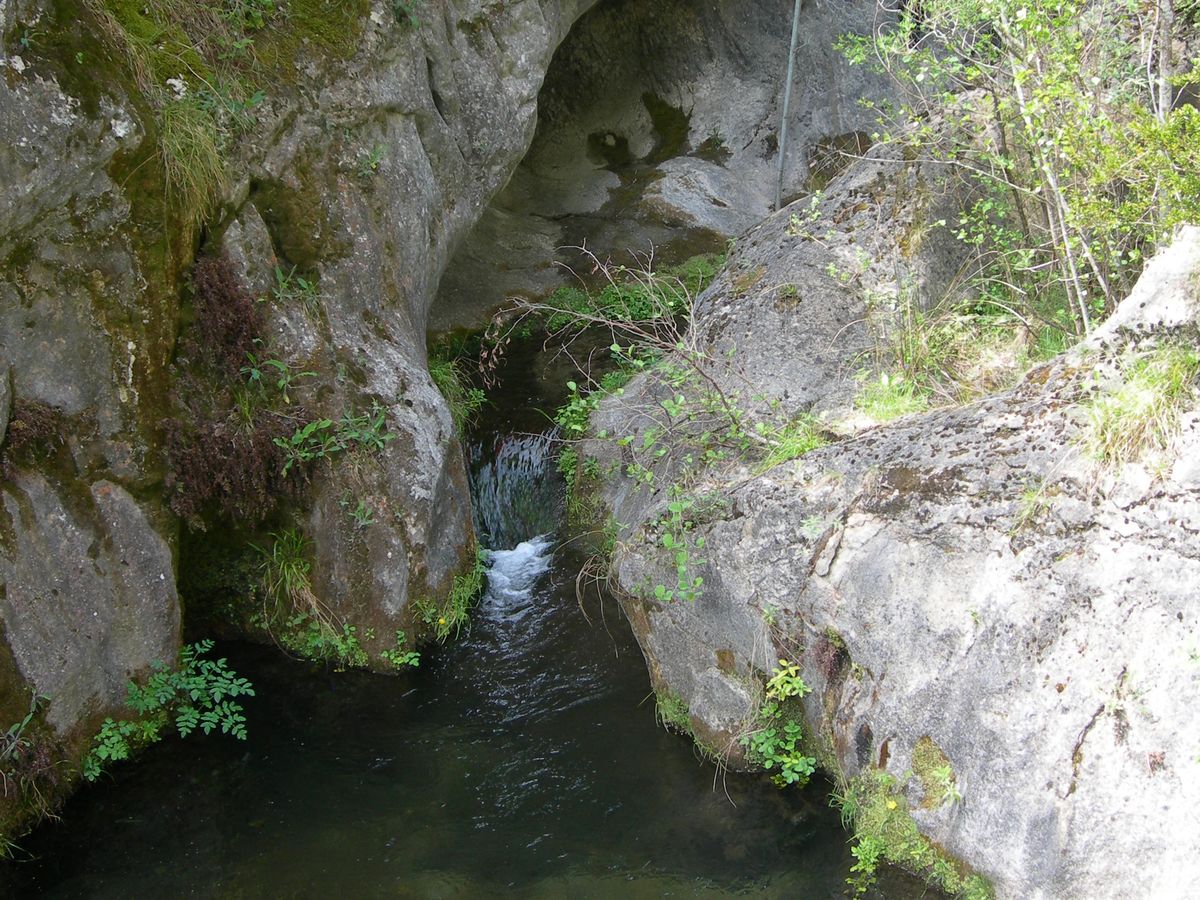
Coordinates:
[677,536]
[368,161]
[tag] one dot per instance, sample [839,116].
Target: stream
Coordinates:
[522,760]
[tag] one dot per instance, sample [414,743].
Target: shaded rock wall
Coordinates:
[94,300]
[659,127]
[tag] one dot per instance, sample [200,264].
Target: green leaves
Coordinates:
[776,743]
[677,538]
[400,657]
[319,438]
[196,695]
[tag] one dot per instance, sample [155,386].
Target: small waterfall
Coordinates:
[517,490]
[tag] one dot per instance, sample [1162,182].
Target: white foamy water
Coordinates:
[513,573]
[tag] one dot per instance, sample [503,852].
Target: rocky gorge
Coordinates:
[198,372]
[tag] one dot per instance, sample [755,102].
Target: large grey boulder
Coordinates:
[445,113]
[968,578]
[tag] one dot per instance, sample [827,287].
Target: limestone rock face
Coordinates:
[89,595]
[445,113]
[659,128]
[361,171]
[806,295]
[969,577]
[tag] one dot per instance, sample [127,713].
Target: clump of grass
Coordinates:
[452,614]
[189,146]
[890,396]
[285,575]
[1141,413]
[1033,503]
[465,401]
[949,355]
[799,436]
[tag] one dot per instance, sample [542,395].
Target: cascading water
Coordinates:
[516,489]
[518,495]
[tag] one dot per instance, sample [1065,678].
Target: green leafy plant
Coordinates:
[931,766]
[672,713]
[321,438]
[312,441]
[677,537]
[367,430]
[361,513]
[369,160]
[406,12]
[775,743]
[198,696]
[260,373]
[292,288]
[400,657]
[322,640]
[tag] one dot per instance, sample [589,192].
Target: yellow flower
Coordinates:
[442,620]
[891,804]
